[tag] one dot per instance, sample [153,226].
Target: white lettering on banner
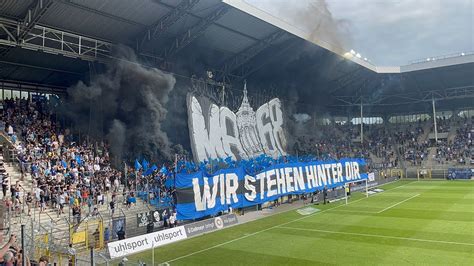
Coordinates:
[222,188]
[339,172]
[273,182]
[206,200]
[214,119]
[355,169]
[327,168]
[140,243]
[280,181]
[214,131]
[311,176]
[289,179]
[200,201]
[202,136]
[232,184]
[230,134]
[270,182]
[261,178]
[250,187]
[321,175]
[349,173]
[299,180]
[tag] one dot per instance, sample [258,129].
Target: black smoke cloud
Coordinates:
[304,73]
[127,105]
[323,26]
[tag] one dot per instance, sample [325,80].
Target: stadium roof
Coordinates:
[58,42]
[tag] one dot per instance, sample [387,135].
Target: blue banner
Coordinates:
[200,194]
[456,173]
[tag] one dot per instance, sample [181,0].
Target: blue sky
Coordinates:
[387,32]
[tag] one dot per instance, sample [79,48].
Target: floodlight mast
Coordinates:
[361,122]
[434,119]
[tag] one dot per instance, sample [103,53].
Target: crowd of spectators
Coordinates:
[411,140]
[460,150]
[443,124]
[380,143]
[330,143]
[64,171]
[410,146]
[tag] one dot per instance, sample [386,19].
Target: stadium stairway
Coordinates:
[426,132]
[452,132]
[430,161]
[396,147]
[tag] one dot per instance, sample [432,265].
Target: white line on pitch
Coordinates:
[355,211]
[396,204]
[379,236]
[264,230]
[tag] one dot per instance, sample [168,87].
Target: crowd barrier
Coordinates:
[441,173]
[456,173]
[145,242]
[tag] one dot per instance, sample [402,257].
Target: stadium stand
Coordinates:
[62,183]
[68,193]
[58,182]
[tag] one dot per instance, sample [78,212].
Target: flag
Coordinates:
[64,164]
[151,170]
[78,159]
[169,183]
[137,165]
[163,170]
[145,164]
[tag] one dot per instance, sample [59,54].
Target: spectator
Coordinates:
[121,234]
[106,235]
[112,207]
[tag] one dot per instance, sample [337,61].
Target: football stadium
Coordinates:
[237,132]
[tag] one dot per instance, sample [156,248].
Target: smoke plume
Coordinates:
[127,105]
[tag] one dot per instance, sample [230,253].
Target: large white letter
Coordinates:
[280,179]
[206,141]
[269,125]
[261,179]
[200,201]
[310,176]
[289,179]
[230,134]
[271,182]
[232,184]
[250,187]
[299,180]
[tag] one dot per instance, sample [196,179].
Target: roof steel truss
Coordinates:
[195,31]
[165,22]
[248,53]
[53,41]
[400,99]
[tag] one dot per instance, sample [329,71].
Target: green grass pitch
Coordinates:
[425,222]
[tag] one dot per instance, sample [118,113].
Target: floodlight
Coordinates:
[358,55]
[365,58]
[462,54]
[353,52]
